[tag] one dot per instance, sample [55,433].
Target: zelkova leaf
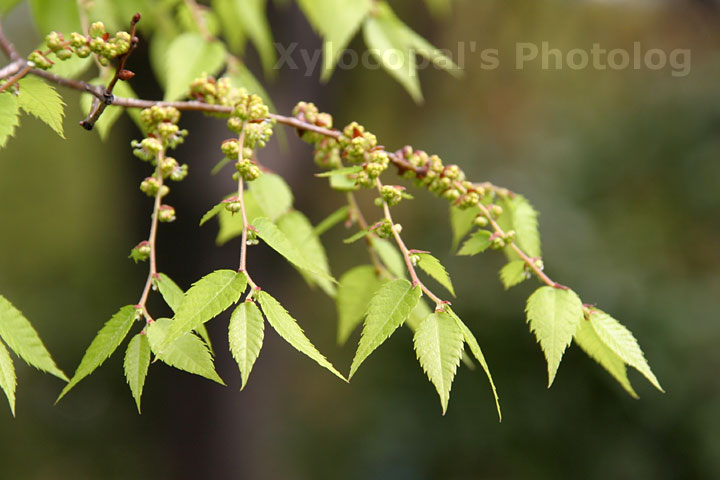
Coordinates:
[520,216]
[253,21]
[187,352]
[189,56]
[9,117]
[339,215]
[356,289]
[587,339]
[438,344]
[22,339]
[477,243]
[388,309]
[356,236]
[273,195]
[136,364]
[390,256]
[461,222]
[621,341]
[288,328]
[513,273]
[103,345]
[436,270]
[40,99]
[206,299]
[554,315]
[8,381]
[245,336]
[174,296]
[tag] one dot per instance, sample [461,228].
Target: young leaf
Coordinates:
[439,346]
[245,335]
[356,236]
[230,22]
[587,338]
[339,215]
[40,99]
[287,327]
[22,339]
[8,380]
[356,289]
[187,352]
[554,315]
[340,171]
[477,243]
[206,299]
[343,183]
[520,216]
[213,212]
[461,222]
[174,296]
[388,309]
[390,256]
[189,56]
[621,341]
[273,195]
[51,15]
[9,117]
[231,225]
[435,269]
[253,21]
[513,273]
[103,345]
[137,361]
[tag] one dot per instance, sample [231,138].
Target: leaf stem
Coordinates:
[357,216]
[243,212]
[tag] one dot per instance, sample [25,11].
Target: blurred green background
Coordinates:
[622,165]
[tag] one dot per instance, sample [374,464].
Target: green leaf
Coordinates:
[477,243]
[7,5]
[273,195]
[587,338]
[388,309]
[60,16]
[423,48]
[174,296]
[439,346]
[21,337]
[340,171]
[621,341]
[513,273]
[73,67]
[206,299]
[343,183]
[439,7]
[212,213]
[40,99]
[554,315]
[103,345]
[187,352]
[230,23]
[9,117]
[299,231]
[339,215]
[477,353]
[520,216]
[356,289]
[435,269]
[187,58]
[253,22]
[137,361]
[245,335]
[287,327]
[8,381]
[390,256]
[231,225]
[356,236]
[461,222]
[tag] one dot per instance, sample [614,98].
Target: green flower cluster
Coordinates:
[327,149]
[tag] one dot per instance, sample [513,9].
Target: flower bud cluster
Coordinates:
[327,149]
[392,195]
[384,228]
[355,143]
[213,91]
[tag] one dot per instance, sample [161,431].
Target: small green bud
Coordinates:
[97,29]
[141,251]
[179,173]
[150,186]
[497,243]
[54,41]
[233,207]
[83,51]
[64,54]
[166,214]
[235,124]
[481,221]
[230,148]
[496,210]
[77,40]
[392,194]
[40,60]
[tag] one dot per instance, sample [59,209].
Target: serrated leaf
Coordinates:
[477,243]
[21,337]
[174,296]
[461,222]
[206,299]
[513,273]
[356,236]
[40,99]
[9,117]
[587,338]
[520,216]
[438,344]
[288,328]
[273,195]
[136,363]
[339,215]
[356,289]
[231,225]
[187,352]
[253,21]
[390,256]
[103,345]
[8,381]
[436,270]
[188,56]
[621,341]
[245,336]
[419,313]
[554,315]
[389,307]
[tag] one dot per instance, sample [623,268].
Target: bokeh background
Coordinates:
[622,165]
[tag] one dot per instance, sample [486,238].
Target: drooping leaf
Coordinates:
[356,289]
[230,23]
[136,363]
[339,215]
[438,344]
[513,273]
[288,328]
[189,56]
[103,345]
[8,381]
[206,299]
[21,337]
[231,225]
[9,117]
[253,21]
[436,270]
[187,352]
[214,211]
[554,315]
[390,256]
[388,309]
[174,296]
[461,222]
[40,99]
[245,335]
[273,195]
[419,313]
[477,243]
[520,216]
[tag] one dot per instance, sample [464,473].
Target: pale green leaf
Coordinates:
[356,236]
[288,328]
[136,363]
[339,215]
[253,22]
[9,117]
[390,256]
[461,222]
[103,345]
[7,5]
[57,15]
[231,225]
[245,336]
[343,183]
[554,315]
[213,212]
[621,341]
[187,58]
[273,195]
[520,216]
[174,296]
[206,299]
[73,67]
[436,270]
[423,48]
[40,99]
[388,309]
[513,273]
[438,344]
[8,381]
[477,243]
[187,352]
[21,337]
[230,23]
[340,171]
[356,289]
